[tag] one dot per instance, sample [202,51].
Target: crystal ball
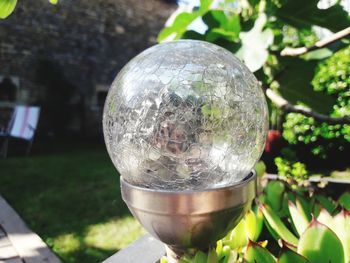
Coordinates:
[185,115]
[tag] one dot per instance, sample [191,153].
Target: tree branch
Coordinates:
[288,107]
[293,52]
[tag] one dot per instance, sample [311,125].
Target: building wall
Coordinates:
[75,49]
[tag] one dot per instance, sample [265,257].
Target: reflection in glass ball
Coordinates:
[185,115]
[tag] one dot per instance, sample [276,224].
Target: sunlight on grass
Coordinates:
[66,243]
[114,234]
[72,200]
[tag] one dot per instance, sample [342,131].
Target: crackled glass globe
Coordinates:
[185,115]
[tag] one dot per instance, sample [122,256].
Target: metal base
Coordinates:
[190,219]
[174,254]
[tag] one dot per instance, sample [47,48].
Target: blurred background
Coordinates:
[57,61]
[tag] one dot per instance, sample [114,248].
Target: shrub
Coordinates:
[332,77]
[286,225]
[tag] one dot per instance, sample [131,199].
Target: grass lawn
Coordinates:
[72,200]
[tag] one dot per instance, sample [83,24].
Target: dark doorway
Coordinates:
[8,90]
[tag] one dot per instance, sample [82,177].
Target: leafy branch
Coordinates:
[282,103]
[293,52]
[288,107]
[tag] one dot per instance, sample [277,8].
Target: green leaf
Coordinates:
[255,43]
[285,244]
[256,253]
[217,33]
[325,218]
[316,209]
[226,21]
[231,257]
[222,26]
[295,85]
[305,14]
[274,194]
[226,252]
[237,238]
[54,2]
[277,225]
[164,260]
[320,245]
[318,54]
[212,256]
[205,5]
[284,212]
[7,7]
[289,256]
[341,226]
[271,231]
[260,169]
[213,18]
[344,200]
[219,249]
[186,259]
[182,21]
[304,207]
[200,257]
[179,26]
[326,202]
[299,220]
[253,224]
[191,34]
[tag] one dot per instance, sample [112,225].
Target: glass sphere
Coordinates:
[185,115]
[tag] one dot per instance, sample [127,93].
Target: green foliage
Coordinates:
[289,256]
[256,31]
[274,194]
[7,7]
[287,168]
[260,169]
[253,224]
[322,238]
[344,200]
[319,244]
[295,85]
[275,223]
[333,75]
[257,253]
[298,218]
[299,129]
[182,21]
[326,203]
[250,227]
[333,79]
[305,14]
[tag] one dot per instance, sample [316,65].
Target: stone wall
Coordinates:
[74,49]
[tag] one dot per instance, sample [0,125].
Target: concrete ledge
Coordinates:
[28,245]
[146,249]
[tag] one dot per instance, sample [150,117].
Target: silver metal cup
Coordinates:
[193,219]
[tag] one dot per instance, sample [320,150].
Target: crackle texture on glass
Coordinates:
[185,115]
